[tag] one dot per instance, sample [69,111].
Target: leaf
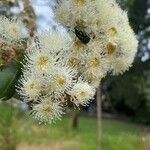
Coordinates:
[8,77]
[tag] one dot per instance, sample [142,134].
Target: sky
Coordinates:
[44,12]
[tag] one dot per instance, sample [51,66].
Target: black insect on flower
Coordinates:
[82,35]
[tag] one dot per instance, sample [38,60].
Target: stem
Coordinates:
[99,126]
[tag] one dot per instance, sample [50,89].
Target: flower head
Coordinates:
[47,111]
[41,60]
[96,65]
[30,87]
[61,80]
[82,93]
[54,42]
[12,29]
[120,65]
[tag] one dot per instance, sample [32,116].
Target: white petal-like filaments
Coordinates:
[54,42]
[47,111]
[12,29]
[82,93]
[30,87]
[41,60]
[61,80]
[96,65]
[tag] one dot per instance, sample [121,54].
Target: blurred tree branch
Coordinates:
[29,17]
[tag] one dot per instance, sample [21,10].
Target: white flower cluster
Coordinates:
[103,39]
[48,81]
[66,68]
[11,30]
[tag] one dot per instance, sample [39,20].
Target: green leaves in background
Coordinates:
[8,78]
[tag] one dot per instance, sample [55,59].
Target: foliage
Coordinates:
[8,78]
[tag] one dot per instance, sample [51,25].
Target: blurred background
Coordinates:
[125,99]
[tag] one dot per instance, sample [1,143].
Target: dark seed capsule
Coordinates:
[82,35]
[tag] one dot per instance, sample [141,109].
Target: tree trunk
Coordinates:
[75,119]
[99,126]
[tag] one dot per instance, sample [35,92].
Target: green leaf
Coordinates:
[8,77]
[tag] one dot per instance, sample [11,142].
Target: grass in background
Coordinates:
[60,136]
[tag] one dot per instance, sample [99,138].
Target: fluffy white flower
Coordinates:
[61,80]
[54,41]
[120,65]
[40,60]
[128,42]
[47,111]
[96,65]
[11,29]
[122,51]
[82,93]
[30,87]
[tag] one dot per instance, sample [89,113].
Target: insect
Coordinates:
[83,36]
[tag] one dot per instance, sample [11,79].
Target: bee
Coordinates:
[82,35]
